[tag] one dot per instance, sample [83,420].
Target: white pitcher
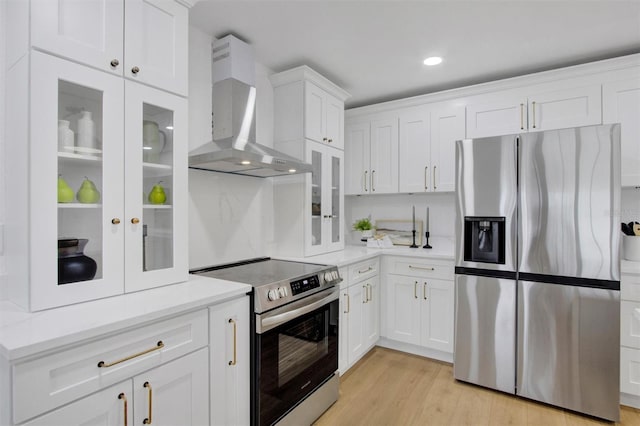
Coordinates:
[151,144]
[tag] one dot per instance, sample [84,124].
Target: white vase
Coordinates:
[86,131]
[367,233]
[65,135]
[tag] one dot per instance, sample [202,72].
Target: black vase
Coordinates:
[73,264]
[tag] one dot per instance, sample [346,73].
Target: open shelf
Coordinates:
[157,206]
[78,206]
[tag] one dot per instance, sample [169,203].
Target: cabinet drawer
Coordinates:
[630,371]
[630,287]
[45,383]
[363,270]
[630,324]
[421,268]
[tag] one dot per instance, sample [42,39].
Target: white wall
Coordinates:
[399,206]
[3,38]
[230,216]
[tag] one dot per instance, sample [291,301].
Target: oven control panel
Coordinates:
[304,284]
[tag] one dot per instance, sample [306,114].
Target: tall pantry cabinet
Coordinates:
[309,125]
[89,139]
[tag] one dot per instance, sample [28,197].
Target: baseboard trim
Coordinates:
[416,350]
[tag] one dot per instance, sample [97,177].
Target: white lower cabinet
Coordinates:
[360,312]
[229,368]
[420,306]
[630,338]
[175,393]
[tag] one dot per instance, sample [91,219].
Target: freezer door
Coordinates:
[569,347]
[485,332]
[569,202]
[486,188]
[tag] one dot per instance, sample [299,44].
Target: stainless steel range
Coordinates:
[295,337]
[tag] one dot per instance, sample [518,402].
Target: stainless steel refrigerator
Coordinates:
[537,266]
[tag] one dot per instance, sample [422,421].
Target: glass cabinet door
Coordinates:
[335,229]
[76,182]
[316,159]
[156,189]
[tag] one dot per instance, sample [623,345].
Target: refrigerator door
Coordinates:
[486,189]
[485,332]
[569,347]
[569,202]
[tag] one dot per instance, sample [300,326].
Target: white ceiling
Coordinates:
[374,49]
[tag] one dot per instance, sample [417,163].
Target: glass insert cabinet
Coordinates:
[107,185]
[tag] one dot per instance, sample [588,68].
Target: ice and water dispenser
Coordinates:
[484,239]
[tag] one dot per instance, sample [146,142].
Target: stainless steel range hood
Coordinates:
[233,148]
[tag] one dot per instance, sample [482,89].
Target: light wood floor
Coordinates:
[393,388]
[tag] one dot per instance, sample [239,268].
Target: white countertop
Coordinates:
[443,248]
[23,334]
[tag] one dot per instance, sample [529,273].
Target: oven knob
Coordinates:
[328,276]
[282,292]
[335,275]
[272,295]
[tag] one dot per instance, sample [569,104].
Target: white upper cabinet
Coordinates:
[308,106]
[522,110]
[371,152]
[145,40]
[427,147]
[621,104]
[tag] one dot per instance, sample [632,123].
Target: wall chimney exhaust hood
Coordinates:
[233,148]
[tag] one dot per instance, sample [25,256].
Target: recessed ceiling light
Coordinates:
[433,60]
[245,162]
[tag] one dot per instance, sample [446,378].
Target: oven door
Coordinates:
[296,351]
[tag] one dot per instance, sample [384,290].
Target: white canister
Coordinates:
[85,130]
[631,247]
[65,135]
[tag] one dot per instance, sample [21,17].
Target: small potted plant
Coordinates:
[364,226]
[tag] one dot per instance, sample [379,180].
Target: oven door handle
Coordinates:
[266,323]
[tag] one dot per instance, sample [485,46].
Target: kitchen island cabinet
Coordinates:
[79,355]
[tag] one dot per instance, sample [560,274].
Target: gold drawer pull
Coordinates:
[421,268]
[124,399]
[366,270]
[235,342]
[348,305]
[103,364]
[147,421]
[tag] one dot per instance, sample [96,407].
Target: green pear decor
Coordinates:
[88,193]
[65,193]
[157,194]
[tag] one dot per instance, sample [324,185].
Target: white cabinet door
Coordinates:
[108,407]
[90,32]
[573,107]
[447,126]
[371,317]
[59,91]
[315,110]
[356,322]
[403,309]
[156,48]
[357,154]
[229,368]
[437,314]
[384,156]
[334,122]
[621,104]
[176,393]
[156,154]
[415,151]
[499,117]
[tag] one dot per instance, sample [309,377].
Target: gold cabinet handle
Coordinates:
[330,140]
[415,290]
[420,267]
[365,181]
[235,342]
[424,291]
[521,116]
[135,220]
[114,63]
[366,270]
[434,178]
[124,400]
[348,306]
[325,140]
[426,174]
[373,189]
[135,70]
[364,292]
[148,420]
[115,221]
[533,104]
[370,292]
[158,346]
